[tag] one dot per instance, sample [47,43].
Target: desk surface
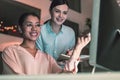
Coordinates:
[85,76]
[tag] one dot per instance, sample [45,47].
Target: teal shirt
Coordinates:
[55,44]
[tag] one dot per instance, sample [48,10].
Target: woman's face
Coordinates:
[59,14]
[31,28]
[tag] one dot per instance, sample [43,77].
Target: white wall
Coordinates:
[87,6]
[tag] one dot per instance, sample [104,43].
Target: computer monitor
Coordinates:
[105,44]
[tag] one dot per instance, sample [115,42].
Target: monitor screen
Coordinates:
[105,44]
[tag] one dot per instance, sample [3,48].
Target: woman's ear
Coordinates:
[20,30]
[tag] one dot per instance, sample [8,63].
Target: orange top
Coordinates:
[17,60]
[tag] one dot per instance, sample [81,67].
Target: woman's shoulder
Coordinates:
[10,50]
[11,47]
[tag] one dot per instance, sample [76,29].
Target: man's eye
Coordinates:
[57,11]
[65,13]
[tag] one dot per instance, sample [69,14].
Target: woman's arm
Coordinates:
[71,65]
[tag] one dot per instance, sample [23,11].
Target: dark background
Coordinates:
[10,12]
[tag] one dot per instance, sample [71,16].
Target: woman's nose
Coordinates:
[34,27]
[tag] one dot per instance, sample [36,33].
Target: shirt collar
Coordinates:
[49,28]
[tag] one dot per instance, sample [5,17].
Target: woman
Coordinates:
[26,59]
[55,37]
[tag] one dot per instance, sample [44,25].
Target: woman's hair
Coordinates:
[24,16]
[57,2]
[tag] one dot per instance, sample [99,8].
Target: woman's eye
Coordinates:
[29,25]
[38,25]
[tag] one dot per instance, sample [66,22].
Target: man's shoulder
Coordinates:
[68,29]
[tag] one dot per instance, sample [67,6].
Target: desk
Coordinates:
[83,76]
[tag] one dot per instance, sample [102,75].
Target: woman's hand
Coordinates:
[71,66]
[82,42]
[69,52]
